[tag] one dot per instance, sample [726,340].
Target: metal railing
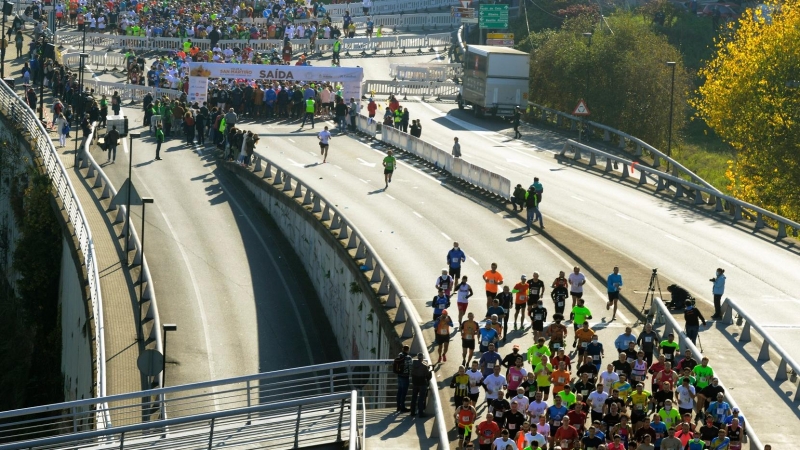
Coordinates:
[373,267]
[243,400]
[150,324]
[24,119]
[748,324]
[662,315]
[697,194]
[402,89]
[608,134]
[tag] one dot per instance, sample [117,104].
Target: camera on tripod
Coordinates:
[655,270]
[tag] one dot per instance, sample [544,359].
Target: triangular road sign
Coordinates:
[122,195]
[581,109]
[465,3]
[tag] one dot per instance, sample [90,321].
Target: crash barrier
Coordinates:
[699,195]
[336,11]
[313,405]
[379,273]
[623,140]
[367,126]
[457,167]
[786,365]
[427,72]
[25,120]
[132,93]
[72,41]
[662,316]
[431,90]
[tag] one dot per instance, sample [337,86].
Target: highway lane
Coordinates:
[686,246]
[222,272]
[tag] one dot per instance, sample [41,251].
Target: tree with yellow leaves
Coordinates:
[751,98]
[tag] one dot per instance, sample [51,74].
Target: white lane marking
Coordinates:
[724,262]
[447,237]
[365,163]
[437,143]
[200,304]
[278,270]
[338,167]
[390,197]
[504,169]
[474,260]
[623,216]
[417,214]
[294,163]
[672,237]
[365,145]
[518,162]
[364,181]
[591,285]
[312,153]
[578,199]
[291,140]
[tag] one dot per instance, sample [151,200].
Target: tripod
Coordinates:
[651,292]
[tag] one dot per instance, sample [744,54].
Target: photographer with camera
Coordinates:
[680,297]
[718,290]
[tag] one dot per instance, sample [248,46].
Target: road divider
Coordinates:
[303,215]
[483,178]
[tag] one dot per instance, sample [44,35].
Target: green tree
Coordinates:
[621,73]
[748,98]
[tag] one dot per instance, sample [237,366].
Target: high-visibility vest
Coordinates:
[310,105]
[336,46]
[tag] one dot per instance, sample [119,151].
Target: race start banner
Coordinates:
[350,77]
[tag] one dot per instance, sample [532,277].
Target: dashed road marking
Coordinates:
[417,214]
[447,237]
[474,260]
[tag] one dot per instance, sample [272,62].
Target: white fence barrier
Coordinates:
[424,89]
[457,167]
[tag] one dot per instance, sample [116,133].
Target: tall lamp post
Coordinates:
[588,36]
[6,6]
[671,64]
[75,99]
[167,327]
[145,201]
[130,188]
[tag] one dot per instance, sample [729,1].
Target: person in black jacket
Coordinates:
[518,199]
[420,376]
[692,316]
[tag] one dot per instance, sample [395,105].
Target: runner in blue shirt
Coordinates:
[455,257]
[440,303]
[613,285]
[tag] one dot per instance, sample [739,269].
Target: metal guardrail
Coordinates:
[786,361]
[402,89]
[698,194]
[25,119]
[381,275]
[562,119]
[354,434]
[662,315]
[194,405]
[426,72]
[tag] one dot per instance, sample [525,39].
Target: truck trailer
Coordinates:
[495,80]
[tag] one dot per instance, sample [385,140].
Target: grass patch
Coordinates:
[704,153]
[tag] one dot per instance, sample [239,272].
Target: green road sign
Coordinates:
[493,16]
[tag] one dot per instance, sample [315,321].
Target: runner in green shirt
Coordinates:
[579,315]
[704,373]
[389,164]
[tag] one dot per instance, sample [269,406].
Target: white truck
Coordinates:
[495,80]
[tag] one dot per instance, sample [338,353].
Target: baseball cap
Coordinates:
[523,277]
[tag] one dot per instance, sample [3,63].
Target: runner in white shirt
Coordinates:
[324,137]
[504,442]
[530,438]
[686,394]
[542,427]
[537,407]
[596,401]
[494,383]
[608,377]
[475,379]
[576,281]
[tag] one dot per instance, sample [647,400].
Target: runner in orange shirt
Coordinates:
[488,431]
[493,279]
[520,300]
[465,418]
[559,378]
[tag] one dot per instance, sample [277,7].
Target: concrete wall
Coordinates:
[76,342]
[361,332]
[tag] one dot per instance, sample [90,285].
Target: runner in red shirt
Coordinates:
[488,431]
[566,435]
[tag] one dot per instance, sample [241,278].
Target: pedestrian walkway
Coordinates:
[118,282]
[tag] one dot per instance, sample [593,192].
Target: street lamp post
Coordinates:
[130,188]
[671,64]
[166,327]
[74,106]
[586,89]
[145,201]
[5,44]
[41,81]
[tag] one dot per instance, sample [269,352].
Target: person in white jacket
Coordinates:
[59,124]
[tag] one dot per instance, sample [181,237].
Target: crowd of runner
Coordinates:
[565,391]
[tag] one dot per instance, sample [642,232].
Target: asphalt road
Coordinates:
[222,272]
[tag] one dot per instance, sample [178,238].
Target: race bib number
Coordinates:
[720,412]
[648,339]
[557,345]
[490,365]
[454,260]
[595,357]
[485,343]
[560,380]
[523,297]
[584,344]
[443,332]
[639,407]
[560,304]
[557,423]
[498,414]
[537,317]
[515,377]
